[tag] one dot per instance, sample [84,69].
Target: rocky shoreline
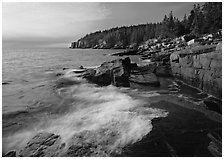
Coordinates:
[187,131]
[182,137]
[201,68]
[195,61]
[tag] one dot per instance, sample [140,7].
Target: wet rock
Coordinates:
[64,82]
[115,72]
[134,65]
[163,71]
[42,145]
[126,53]
[79,150]
[5,83]
[215,145]
[11,153]
[65,68]
[165,57]
[89,143]
[199,68]
[149,67]
[81,67]
[79,70]
[145,79]
[213,105]
[59,74]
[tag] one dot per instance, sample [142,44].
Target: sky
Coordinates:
[56,24]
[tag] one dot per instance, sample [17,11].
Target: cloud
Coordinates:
[42,23]
[49,19]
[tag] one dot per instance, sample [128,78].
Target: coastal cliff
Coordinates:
[201,68]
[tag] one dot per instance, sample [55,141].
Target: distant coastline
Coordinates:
[205,19]
[144,90]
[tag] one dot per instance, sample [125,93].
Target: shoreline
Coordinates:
[182,112]
[182,133]
[186,104]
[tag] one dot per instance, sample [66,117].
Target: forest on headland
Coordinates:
[202,19]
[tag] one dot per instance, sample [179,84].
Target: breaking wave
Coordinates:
[102,115]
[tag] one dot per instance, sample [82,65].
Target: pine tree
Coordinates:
[201,20]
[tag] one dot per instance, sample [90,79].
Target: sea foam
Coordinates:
[112,118]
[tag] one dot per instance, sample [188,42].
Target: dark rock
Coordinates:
[163,71]
[90,144]
[213,105]
[126,52]
[189,37]
[79,70]
[134,65]
[79,150]
[215,145]
[64,82]
[11,153]
[73,45]
[145,79]
[42,145]
[81,67]
[5,83]
[115,72]
[165,57]
[150,67]
[59,74]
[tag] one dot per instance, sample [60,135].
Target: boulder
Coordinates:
[43,145]
[65,68]
[164,57]
[59,74]
[115,72]
[88,144]
[213,104]
[148,67]
[215,145]
[145,79]
[134,65]
[163,71]
[4,83]
[11,153]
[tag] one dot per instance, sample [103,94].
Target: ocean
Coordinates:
[112,118]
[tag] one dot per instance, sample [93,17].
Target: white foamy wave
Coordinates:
[106,108]
[112,118]
[73,74]
[149,94]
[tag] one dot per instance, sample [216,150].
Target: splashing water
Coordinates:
[103,116]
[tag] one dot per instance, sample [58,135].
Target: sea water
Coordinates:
[34,102]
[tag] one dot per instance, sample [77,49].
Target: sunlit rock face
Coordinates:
[115,72]
[201,68]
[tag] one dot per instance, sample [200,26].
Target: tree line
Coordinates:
[203,19]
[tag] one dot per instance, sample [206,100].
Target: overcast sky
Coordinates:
[57,24]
